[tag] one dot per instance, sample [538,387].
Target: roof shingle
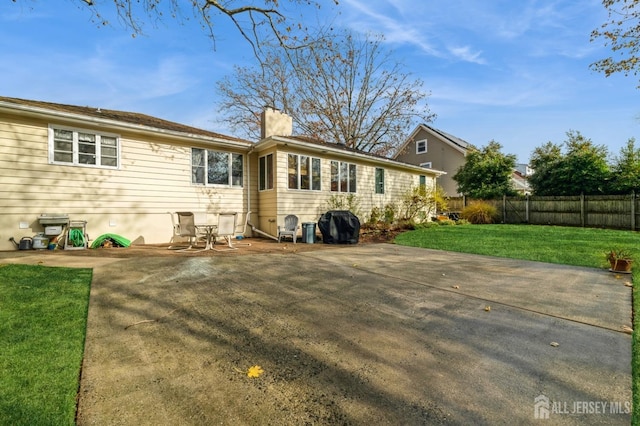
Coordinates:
[120,116]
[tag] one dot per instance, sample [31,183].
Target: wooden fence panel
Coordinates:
[515,210]
[455,204]
[612,211]
[557,210]
[597,211]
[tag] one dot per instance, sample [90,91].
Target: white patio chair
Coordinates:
[185,227]
[290,228]
[226,229]
[243,230]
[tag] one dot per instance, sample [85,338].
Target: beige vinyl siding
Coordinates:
[266,200]
[397,183]
[302,202]
[309,205]
[250,193]
[154,178]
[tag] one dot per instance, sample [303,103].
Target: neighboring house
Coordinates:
[434,149]
[520,183]
[520,179]
[524,169]
[124,172]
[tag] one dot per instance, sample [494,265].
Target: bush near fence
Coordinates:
[593,211]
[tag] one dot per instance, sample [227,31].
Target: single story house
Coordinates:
[124,173]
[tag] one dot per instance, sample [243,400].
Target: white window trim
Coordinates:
[75,151]
[299,177]
[266,180]
[349,189]
[427,165]
[426,148]
[375,178]
[230,155]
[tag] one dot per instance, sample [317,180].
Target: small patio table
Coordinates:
[208,230]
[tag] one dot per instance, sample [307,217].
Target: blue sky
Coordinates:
[514,72]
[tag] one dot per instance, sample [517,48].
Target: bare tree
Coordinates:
[256,21]
[622,33]
[341,89]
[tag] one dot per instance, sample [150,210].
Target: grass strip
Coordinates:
[43,317]
[635,347]
[552,244]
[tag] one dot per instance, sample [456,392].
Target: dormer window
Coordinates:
[421,146]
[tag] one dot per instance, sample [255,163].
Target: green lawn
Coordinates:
[43,317]
[554,244]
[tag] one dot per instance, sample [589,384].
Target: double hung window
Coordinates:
[265,170]
[379,180]
[303,172]
[343,177]
[83,148]
[421,146]
[209,167]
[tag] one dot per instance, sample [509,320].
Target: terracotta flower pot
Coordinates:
[621,265]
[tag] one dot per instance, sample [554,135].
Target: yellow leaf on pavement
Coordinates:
[255,371]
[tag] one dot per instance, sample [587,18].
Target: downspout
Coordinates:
[257,231]
[249,179]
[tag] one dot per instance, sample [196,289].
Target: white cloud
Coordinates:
[367,18]
[464,53]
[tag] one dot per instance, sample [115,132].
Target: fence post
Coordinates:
[582,210]
[504,208]
[526,209]
[633,210]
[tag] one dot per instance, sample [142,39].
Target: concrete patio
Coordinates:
[363,334]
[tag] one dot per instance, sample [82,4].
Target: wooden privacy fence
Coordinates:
[593,211]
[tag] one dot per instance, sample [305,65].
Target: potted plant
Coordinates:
[620,260]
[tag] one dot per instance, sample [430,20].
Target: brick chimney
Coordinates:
[275,123]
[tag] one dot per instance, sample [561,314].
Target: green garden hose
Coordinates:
[76,237]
